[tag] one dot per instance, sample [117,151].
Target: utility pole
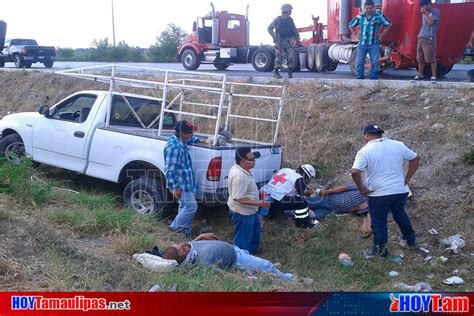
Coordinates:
[113,23]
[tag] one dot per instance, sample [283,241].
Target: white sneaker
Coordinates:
[433,78]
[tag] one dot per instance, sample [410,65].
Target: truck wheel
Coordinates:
[147,196]
[263,59]
[310,56]
[190,60]
[441,72]
[221,65]
[296,64]
[48,64]
[12,148]
[18,60]
[28,64]
[322,59]
[2,63]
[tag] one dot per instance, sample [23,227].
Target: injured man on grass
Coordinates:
[207,250]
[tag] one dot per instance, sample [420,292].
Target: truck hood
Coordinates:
[18,119]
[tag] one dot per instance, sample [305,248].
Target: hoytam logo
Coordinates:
[435,303]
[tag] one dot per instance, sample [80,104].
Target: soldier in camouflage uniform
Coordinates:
[283,30]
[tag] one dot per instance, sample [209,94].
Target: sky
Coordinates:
[76,23]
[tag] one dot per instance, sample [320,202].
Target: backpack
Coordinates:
[285,27]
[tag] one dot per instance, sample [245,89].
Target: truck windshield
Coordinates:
[23,42]
[147,110]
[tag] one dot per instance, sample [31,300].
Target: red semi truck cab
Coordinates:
[219,38]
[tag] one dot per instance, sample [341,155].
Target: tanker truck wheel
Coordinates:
[322,59]
[263,59]
[190,59]
[353,64]
[310,57]
[296,64]
[441,72]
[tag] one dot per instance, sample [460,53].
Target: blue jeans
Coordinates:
[246,231]
[379,207]
[246,261]
[320,206]
[374,53]
[187,209]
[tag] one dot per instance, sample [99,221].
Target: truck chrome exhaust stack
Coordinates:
[215,27]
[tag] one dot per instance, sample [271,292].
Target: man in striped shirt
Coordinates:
[179,175]
[369,38]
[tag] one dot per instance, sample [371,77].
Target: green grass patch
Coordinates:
[97,221]
[16,180]
[469,157]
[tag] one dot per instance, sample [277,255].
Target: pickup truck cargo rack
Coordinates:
[210,84]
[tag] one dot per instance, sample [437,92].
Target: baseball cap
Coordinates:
[373,129]
[185,127]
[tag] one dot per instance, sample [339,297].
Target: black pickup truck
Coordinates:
[25,52]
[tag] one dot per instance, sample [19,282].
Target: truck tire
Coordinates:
[190,59]
[296,65]
[263,59]
[221,65]
[332,65]
[441,71]
[28,64]
[322,59]
[12,148]
[147,196]
[2,63]
[48,64]
[18,60]
[310,56]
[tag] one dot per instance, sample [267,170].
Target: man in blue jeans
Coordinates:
[179,175]
[244,201]
[369,38]
[207,250]
[386,186]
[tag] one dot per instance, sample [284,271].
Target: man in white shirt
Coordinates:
[244,201]
[386,185]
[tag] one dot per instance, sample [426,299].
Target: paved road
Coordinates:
[246,71]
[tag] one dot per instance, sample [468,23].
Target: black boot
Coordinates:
[290,74]
[276,74]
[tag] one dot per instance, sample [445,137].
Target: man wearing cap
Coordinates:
[426,47]
[386,185]
[244,201]
[369,38]
[287,189]
[179,175]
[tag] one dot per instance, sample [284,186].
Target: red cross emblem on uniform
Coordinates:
[279,178]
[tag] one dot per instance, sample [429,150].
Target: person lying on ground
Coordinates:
[207,250]
[341,199]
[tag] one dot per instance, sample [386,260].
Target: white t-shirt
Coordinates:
[241,184]
[382,160]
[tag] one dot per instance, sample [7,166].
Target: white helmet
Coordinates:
[309,170]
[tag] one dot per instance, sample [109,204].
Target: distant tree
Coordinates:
[102,50]
[164,50]
[65,54]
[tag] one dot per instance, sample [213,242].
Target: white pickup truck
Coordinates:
[119,136]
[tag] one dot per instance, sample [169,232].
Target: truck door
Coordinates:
[60,139]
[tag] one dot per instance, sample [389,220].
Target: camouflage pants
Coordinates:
[287,52]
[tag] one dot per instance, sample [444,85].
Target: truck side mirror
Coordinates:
[194,26]
[44,110]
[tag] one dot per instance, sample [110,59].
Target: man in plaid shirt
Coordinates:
[369,38]
[179,175]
